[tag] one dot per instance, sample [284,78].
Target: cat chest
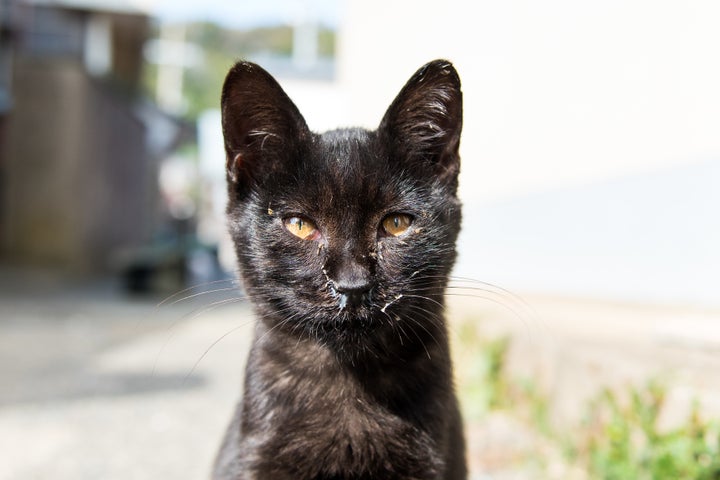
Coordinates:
[339,433]
[348,440]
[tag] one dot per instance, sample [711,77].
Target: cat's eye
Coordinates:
[301,228]
[396,224]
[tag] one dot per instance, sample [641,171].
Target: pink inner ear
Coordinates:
[234,167]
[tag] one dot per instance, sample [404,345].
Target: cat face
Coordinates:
[351,232]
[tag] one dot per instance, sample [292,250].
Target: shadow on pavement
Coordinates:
[55,329]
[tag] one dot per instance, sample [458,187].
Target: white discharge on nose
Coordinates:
[343,301]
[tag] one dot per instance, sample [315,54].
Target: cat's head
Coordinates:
[352,232]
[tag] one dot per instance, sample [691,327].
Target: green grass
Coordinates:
[621,437]
[479,366]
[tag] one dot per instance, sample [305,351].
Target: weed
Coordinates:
[621,437]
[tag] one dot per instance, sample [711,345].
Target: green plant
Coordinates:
[622,439]
[480,370]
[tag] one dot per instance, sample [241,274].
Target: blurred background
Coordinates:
[590,180]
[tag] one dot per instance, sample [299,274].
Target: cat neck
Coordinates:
[380,361]
[410,387]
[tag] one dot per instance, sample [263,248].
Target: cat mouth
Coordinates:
[343,310]
[354,304]
[362,312]
[355,309]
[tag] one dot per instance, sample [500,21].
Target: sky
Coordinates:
[244,13]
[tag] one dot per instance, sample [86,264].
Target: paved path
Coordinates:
[94,385]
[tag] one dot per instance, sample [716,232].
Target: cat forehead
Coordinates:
[346,156]
[344,168]
[346,144]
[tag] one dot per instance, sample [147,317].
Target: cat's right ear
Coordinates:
[261,126]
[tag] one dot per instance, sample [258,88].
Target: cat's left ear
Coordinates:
[424,122]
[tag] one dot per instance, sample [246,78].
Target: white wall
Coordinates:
[556,92]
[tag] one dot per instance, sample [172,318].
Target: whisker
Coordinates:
[512,294]
[187,317]
[520,308]
[432,300]
[207,350]
[190,289]
[253,318]
[394,324]
[204,292]
[515,313]
[426,315]
[427,352]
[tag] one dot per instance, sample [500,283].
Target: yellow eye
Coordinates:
[301,227]
[396,224]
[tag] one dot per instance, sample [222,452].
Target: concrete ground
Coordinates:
[95,384]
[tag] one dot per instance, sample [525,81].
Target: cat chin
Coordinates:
[344,331]
[356,323]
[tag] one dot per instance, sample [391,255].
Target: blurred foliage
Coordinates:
[621,437]
[479,370]
[221,48]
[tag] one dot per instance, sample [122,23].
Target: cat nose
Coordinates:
[352,293]
[352,283]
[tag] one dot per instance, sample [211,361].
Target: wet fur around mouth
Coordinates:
[349,375]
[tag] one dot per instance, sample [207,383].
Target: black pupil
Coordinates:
[299,224]
[396,222]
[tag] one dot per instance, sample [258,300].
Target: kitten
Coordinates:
[345,241]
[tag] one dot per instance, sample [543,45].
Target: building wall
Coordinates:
[557,93]
[77,183]
[40,163]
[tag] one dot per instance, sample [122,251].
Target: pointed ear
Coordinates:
[424,122]
[262,127]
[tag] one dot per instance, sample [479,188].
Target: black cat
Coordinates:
[345,241]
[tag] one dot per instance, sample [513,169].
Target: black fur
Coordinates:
[349,376]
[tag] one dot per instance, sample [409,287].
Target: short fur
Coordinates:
[349,375]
